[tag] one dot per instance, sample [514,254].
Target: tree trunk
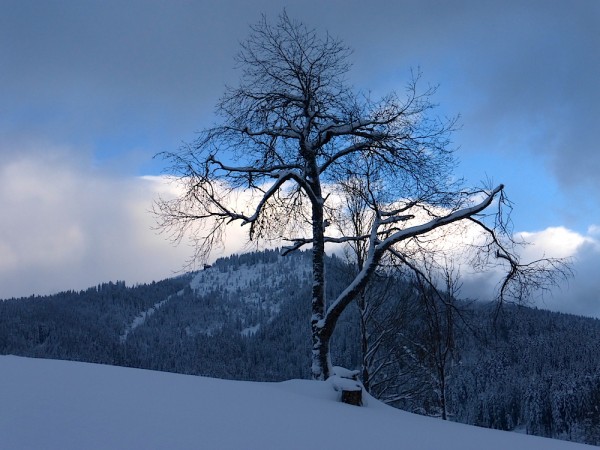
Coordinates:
[442,386]
[443,400]
[364,343]
[321,363]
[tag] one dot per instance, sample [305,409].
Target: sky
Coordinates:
[91,91]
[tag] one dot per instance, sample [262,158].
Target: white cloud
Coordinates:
[555,242]
[66,225]
[594,230]
[36,197]
[580,294]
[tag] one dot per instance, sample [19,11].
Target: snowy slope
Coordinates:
[47,404]
[247,283]
[246,278]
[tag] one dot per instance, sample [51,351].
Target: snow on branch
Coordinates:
[378,248]
[440,221]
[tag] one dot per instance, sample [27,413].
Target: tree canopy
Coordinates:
[296,143]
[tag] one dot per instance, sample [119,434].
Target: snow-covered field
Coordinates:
[47,405]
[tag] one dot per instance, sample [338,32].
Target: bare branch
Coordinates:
[440,221]
[522,281]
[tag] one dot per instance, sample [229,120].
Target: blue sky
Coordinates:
[90,91]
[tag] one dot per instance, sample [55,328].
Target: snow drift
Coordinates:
[48,404]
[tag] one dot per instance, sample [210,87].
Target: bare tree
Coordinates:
[387,308]
[384,304]
[291,132]
[437,339]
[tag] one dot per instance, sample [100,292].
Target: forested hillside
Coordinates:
[247,317]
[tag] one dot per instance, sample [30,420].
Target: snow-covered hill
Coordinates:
[63,405]
[247,280]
